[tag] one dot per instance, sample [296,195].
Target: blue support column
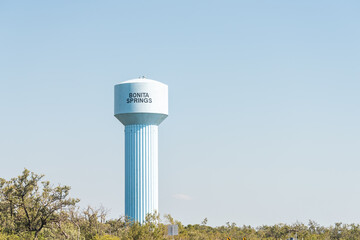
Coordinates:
[141,171]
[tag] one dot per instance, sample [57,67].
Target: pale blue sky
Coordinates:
[264,103]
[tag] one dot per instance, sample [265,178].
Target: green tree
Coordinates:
[30,204]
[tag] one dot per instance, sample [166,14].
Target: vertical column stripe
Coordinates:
[141,171]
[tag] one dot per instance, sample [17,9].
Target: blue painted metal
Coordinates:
[141,171]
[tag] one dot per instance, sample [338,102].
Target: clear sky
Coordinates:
[264,114]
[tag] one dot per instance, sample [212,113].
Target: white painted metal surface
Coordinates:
[173,230]
[141,101]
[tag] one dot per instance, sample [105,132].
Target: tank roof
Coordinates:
[141,80]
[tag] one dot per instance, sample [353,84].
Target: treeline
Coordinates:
[31,208]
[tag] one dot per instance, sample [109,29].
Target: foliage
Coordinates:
[33,209]
[28,205]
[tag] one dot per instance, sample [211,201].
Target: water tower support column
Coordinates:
[141,170]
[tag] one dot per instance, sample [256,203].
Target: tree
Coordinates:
[204,222]
[94,222]
[31,204]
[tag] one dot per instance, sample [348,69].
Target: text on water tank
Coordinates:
[139,98]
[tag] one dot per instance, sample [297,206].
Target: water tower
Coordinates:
[141,105]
